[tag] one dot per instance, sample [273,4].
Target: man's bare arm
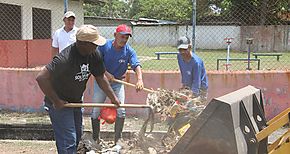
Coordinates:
[54,51]
[105,86]
[44,81]
[139,84]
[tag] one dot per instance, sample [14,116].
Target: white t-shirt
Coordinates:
[61,39]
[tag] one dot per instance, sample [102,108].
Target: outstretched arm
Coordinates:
[44,81]
[139,84]
[54,51]
[105,86]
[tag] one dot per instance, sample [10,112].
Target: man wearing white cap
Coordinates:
[64,80]
[66,35]
[193,74]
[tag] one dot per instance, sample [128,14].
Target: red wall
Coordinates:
[39,52]
[13,53]
[20,92]
[24,53]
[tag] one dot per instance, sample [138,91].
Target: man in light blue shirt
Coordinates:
[192,69]
[117,54]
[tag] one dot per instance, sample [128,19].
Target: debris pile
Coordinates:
[149,144]
[171,106]
[168,103]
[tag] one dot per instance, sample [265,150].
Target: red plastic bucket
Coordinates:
[108,114]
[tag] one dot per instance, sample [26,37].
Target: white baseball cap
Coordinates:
[90,33]
[69,14]
[183,42]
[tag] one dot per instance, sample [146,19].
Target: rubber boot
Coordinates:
[96,129]
[119,124]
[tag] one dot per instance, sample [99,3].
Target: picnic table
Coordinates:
[268,54]
[237,59]
[164,53]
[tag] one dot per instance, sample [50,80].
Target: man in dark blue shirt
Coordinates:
[117,54]
[192,69]
[64,80]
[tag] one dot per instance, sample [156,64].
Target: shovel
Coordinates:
[132,85]
[148,90]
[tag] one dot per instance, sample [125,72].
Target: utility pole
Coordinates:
[65,5]
[193,24]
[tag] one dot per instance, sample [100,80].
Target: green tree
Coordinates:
[246,12]
[112,8]
[175,10]
[134,8]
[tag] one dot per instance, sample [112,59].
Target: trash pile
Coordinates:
[172,107]
[169,102]
[177,110]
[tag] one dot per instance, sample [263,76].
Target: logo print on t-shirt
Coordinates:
[122,61]
[188,72]
[84,74]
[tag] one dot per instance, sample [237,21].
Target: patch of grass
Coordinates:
[169,62]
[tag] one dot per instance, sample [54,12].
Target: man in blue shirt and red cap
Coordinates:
[117,54]
[192,69]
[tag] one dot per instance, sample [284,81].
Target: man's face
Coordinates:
[86,48]
[185,52]
[121,39]
[69,22]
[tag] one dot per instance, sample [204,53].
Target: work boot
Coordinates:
[119,128]
[96,129]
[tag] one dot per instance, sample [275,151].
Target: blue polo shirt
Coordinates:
[193,73]
[116,61]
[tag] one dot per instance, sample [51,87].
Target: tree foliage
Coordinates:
[244,12]
[175,10]
[113,8]
[258,12]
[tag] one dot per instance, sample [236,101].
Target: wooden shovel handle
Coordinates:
[148,90]
[106,105]
[132,85]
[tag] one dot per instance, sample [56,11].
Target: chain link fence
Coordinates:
[26,28]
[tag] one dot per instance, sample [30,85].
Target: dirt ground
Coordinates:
[48,147]
[27,147]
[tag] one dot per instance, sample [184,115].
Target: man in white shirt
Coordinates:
[66,35]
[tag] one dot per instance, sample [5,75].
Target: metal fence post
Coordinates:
[65,5]
[193,24]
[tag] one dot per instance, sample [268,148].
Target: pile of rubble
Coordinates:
[171,106]
[168,103]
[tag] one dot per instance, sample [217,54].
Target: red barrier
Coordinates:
[39,52]
[24,53]
[20,92]
[13,53]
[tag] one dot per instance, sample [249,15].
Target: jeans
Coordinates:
[100,97]
[67,128]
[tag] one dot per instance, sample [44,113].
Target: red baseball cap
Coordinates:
[124,29]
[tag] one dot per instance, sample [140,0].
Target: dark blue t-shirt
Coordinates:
[116,61]
[193,73]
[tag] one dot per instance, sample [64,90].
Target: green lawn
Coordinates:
[169,62]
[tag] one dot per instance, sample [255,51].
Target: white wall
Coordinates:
[212,37]
[57,10]
[207,37]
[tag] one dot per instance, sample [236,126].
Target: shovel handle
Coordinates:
[148,90]
[132,85]
[106,105]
